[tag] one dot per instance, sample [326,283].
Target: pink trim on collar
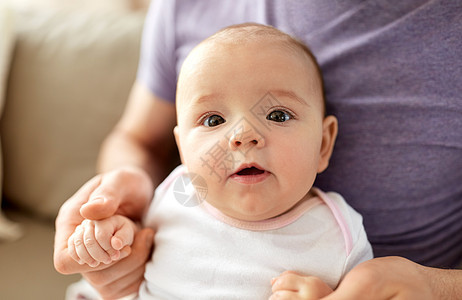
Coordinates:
[269,224]
[289,217]
[283,220]
[339,218]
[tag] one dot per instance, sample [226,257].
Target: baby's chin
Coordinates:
[251,212]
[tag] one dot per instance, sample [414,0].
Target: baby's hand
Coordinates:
[291,285]
[95,242]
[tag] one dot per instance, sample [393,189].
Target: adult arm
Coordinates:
[134,158]
[145,132]
[398,278]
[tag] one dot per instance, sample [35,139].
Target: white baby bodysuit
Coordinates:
[201,253]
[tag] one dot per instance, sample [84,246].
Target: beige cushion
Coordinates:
[70,78]
[7,37]
[8,229]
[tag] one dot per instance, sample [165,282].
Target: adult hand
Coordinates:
[125,191]
[397,278]
[124,277]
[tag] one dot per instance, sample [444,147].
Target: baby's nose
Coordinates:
[245,135]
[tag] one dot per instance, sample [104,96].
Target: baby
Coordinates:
[240,218]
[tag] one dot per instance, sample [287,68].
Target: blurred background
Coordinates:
[66,69]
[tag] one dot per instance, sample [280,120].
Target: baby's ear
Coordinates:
[329,134]
[176,133]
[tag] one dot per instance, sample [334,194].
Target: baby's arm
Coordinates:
[95,242]
[291,285]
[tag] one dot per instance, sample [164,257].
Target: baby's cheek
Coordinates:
[214,162]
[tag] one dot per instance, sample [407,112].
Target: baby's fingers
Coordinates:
[123,236]
[94,249]
[287,281]
[80,248]
[286,295]
[305,287]
[71,249]
[104,231]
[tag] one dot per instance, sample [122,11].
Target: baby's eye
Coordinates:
[278,116]
[213,120]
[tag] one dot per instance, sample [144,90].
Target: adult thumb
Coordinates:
[146,240]
[101,204]
[141,248]
[126,191]
[105,199]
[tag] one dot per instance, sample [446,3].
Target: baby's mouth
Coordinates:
[250,174]
[250,171]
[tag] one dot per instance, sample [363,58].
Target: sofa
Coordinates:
[65,77]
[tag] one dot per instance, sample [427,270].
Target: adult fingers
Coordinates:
[121,287]
[384,278]
[66,222]
[123,276]
[361,288]
[124,191]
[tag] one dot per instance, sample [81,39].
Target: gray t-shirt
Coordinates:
[393,77]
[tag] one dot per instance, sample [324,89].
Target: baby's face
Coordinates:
[250,122]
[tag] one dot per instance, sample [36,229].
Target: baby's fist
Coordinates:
[291,285]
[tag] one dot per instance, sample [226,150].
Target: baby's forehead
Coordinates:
[245,39]
[250,32]
[245,42]
[229,45]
